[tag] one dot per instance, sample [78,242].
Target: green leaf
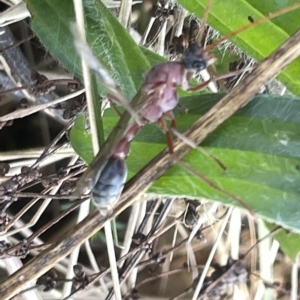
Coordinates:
[259,41]
[289,242]
[152,57]
[259,146]
[110,42]
[81,140]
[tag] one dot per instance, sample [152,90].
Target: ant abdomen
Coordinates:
[110,184]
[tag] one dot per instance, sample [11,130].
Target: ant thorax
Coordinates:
[160,88]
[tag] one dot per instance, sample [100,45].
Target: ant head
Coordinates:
[195,58]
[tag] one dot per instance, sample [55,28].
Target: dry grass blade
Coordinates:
[33,109]
[211,255]
[242,94]
[85,207]
[205,17]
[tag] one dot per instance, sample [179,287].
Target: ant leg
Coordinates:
[200,86]
[217,78]
[113,100]
[170,116]
[162,124]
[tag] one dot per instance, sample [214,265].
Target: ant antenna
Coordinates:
[250,25]
[204,20]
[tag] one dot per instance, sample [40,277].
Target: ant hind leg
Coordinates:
[162,124]
[170,116]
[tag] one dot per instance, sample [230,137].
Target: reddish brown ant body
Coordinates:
[160,91]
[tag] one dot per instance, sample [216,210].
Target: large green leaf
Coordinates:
[261,40]
[110,42]
[259,146]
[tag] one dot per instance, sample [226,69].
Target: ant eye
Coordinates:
[199,65]
[193,58]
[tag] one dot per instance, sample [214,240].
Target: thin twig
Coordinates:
[211,254]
